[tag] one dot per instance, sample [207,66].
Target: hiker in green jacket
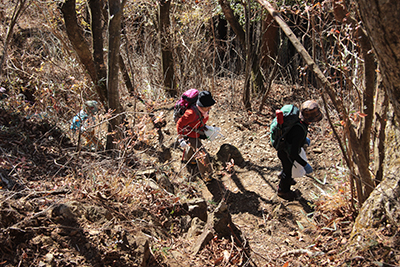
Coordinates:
[294,141]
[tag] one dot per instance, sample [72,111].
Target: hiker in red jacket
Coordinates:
[295,139]
[191,128]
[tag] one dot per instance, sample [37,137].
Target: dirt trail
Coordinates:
[127,207]
[272,225]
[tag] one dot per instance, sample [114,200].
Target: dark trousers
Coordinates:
[286,175]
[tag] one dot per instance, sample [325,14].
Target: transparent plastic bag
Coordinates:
[212,132]
[297,169]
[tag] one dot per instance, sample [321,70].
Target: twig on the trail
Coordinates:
[258,254]
[62,166]
[265,217]
[46,193]
[152,237]
[29,228]
[11,194]
[250,249]
[302,251]
[16,226]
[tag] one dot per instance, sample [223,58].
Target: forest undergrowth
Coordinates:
[65,206]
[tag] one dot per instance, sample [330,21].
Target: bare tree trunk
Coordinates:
[269,54]
[367,98]
[362,144]
[270,42]
[246,91]
[167,61]
[367,106]
[230,17]
[215,51]
[97,25]
[128,81]
[381,20]
[114,39]
[271,78]
[81,47]
[381,108]
[255,49]
[19,9]
[125,75]
[249,63]
[255,76]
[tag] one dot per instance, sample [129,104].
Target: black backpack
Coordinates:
[278,131]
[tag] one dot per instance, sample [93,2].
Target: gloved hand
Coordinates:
[308,168]
[183,143]
[203,136]
[308,141]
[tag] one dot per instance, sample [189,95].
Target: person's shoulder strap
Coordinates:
[198,113]
[199,117]
[303,126]
[194,107]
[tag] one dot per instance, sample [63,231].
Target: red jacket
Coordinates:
[190,123]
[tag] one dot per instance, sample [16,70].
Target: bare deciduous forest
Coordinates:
[118,193]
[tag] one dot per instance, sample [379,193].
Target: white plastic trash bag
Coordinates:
[297,169]
[212,132]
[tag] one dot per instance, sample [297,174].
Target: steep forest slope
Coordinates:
[60,207]
[63,203]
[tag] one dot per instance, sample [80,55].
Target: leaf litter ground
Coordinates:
[117,213]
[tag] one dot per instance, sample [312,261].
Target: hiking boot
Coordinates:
[292,181]
[289,195]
